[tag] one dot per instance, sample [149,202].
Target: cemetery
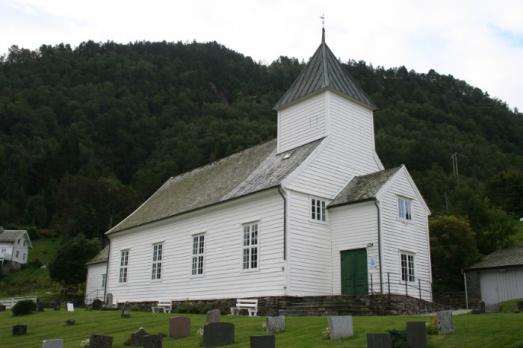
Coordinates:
[109,328]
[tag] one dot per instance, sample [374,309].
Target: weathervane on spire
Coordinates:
[322,28]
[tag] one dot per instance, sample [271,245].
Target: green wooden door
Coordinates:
[354,279]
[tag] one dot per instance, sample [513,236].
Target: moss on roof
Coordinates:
[363,187]
[510,257]
[252,170]
[102,256]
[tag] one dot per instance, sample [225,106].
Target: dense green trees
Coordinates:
[88,133]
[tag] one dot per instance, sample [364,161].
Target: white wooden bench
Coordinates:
[250,304]
[163,306]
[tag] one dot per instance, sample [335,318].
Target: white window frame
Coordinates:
[104,280]
[124,266]
[407,263]
[318,210]
[250,256]
[156,266]
[198,255]
[404,208]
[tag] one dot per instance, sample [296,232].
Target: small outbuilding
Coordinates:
[96,277]
[500,276]
[14,248]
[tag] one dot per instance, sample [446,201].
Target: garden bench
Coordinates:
[163,306]
[251,305]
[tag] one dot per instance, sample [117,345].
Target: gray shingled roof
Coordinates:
[363,187]
[323,72]
[10,236]
[501,258]
[252,170]
[102,256]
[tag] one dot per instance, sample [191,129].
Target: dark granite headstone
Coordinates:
[520,306]
[379,340]
[97,304]
[2,308]
[99,341]
[137,337]
[416,334]
[40,306]
[218,334]
[19,330]
[213,316]
[152,341]
[268,341]
[70,322]
[179,327]
[56,306]
[125,311]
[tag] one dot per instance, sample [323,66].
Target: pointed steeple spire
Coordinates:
[324,72]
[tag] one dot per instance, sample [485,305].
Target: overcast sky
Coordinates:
[477,41]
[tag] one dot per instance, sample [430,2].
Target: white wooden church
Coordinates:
[310,213]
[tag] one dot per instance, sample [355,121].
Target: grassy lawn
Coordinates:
[486,330]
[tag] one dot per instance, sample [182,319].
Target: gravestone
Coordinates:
[520,306]
[56,306]
[340,327]
[70,307]
[213,316]
[125,311]
[56,343]
[19,330]
[268,341]
[179,327]
[40,306]
[275,324]
[99,341]
[137,337]
[97,304]
[152,341]
[379,340]
[70,322]
[3,308]
[445,324]
[416,334]
[109,299]
[218,334]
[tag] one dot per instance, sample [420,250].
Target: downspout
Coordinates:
[377,204]
[284,268]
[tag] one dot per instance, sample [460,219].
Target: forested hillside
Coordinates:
[87,133]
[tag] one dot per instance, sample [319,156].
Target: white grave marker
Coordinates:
[70,307]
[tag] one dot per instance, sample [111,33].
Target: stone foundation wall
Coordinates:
[312,305]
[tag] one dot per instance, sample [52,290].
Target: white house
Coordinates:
[96,277]
[310,213]
[14,248]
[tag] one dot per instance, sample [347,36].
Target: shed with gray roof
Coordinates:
[500,276]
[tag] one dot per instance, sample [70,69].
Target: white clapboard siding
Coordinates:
[501,285]
[410,236]
[309,250]
[354,226]
[348,150]
[94,288]
[223,274]
[302,123]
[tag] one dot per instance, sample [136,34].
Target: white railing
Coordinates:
[10,302]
